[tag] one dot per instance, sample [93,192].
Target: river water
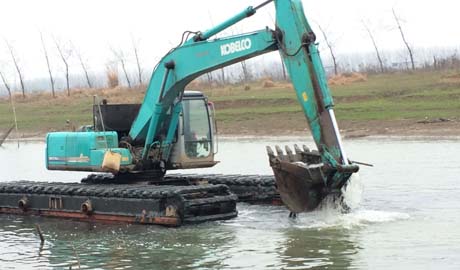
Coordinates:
[406,215]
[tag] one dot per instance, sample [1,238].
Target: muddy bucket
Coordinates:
[302,179]
[299,177]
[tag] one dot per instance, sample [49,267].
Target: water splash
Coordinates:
[334,218]
[353,192]
[347,212]
[362,217]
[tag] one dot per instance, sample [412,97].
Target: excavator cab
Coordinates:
[196,135]
[195,142]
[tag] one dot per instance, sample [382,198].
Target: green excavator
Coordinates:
[175,129]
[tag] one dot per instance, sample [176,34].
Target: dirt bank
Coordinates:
[349,129]
[293,127]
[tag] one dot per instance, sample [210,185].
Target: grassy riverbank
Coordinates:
[394,104]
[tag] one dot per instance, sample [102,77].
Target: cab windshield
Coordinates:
[197,133]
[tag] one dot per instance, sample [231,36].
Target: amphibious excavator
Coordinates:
[175,129]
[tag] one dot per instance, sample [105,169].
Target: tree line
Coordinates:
[123,70]
[66,51]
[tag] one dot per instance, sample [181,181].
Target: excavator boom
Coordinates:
[295,40]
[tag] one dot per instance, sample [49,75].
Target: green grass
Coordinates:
[385,97]
[37,116]
[382,97]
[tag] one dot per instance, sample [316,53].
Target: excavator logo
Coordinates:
[236,46]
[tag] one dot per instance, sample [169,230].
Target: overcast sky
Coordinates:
[93,26]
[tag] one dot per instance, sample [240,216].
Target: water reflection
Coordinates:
[400,208]
[252,241]
[69,243]
[330,248]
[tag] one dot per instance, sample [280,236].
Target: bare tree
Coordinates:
[409,49]
[6,84]
[119,54]
[222,74]
[83,66]
[136,54]
[246,72]
[377,52]
[330,46]
[45,52]
[18,69]
[210,79]
[8,88]
[65,52]
[435,62]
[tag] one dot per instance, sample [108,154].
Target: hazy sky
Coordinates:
[93,26]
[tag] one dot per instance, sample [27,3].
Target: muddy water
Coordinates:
[405,216]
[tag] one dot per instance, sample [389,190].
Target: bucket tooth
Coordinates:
[297,149]
[280,153]
[305,148]
[290,155]
[270,151]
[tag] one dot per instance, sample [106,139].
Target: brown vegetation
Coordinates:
[267,83]
[117,95]
[451,79]
[112,78]
[347,78]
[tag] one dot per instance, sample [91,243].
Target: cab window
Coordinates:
[197,135]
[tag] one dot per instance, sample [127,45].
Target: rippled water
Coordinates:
[406,215]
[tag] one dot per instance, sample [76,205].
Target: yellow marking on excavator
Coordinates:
[305,97]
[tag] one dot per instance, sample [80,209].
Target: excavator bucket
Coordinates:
[299,177]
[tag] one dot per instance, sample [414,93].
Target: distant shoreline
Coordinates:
[404,104]
[349,130]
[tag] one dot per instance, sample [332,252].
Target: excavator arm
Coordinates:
[295,40]
[158,116]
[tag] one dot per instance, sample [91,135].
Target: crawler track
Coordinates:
[248,188]
[138,203]
[172,200]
